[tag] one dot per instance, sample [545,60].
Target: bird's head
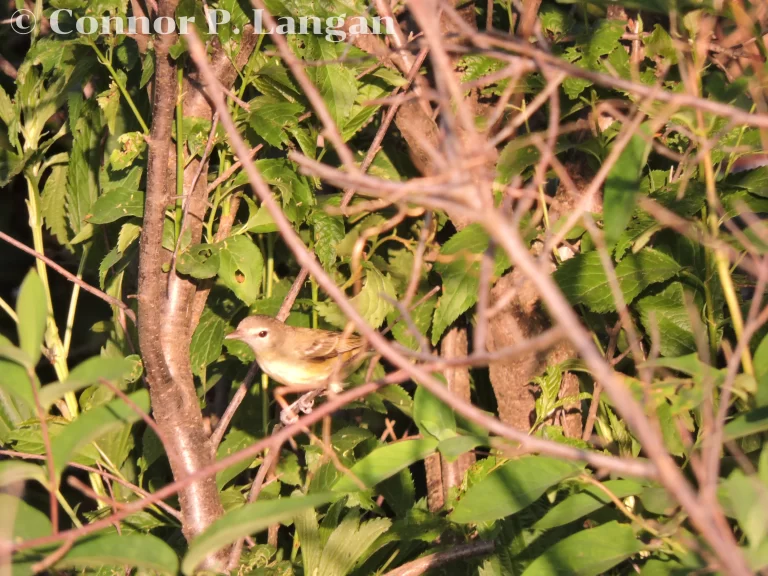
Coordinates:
[261,333]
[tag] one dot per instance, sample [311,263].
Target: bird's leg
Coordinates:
[289,412]
[307,401]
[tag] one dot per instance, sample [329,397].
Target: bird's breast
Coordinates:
[292,372]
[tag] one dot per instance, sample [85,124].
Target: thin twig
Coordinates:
[232,169]
[135,407]
[71,277]
[431,561]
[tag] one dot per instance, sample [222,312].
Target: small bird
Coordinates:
[303,358]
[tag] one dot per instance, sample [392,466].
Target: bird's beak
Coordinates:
[233,336]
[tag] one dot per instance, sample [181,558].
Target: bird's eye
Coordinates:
[263,334]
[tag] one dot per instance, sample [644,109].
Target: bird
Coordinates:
[301,358]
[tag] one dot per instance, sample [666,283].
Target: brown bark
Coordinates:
[174,401]
[165,305]
[441,474]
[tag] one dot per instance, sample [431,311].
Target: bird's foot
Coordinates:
[307,401]
[288,415]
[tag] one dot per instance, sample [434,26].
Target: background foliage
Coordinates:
[667,273]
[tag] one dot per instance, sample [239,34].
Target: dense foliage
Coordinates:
[615,144]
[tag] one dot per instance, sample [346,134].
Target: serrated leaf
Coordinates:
[7,112]
[117,203]
[336,82]
[95,423]
[667,310]
[659,43]
[422,319]
[240,267]
[109,102]
[588,553]
[385,462]
[371,302]
[461,278]
[147,68]
[11,166]
[54,203]
[583,280]
[328,232]
[84,162]
[510,488]
[249,519]
[271,119]
[622,186]
[129,233]
[32,311]
[348,543]
[206,341]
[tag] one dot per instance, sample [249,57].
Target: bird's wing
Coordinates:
[331,344]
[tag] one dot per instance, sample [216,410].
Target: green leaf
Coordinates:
[761,371]
[667,310]
[131,144]
[53,203]
[588,553]
[348,543]
[659,44]
[453,447]
[249,519]
[90,371]
[117,203]
[371,302]
[19,404]
[328,231]
[746,497]
[433,416]
[754,181]
[147,68]
[12,471]
[259,220]
[11,166]
[241,264]
[7,112]
[271,118]
[622,186]
[95,423]
[200,261]
[590,498]
[385,462]
[129,233]
[207,341]
[142,551]
[747,423]
[336,82]
[84,162]
[28,521]
[398,397]
[32,311]
[510,488]
[583,279]
[461,278]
